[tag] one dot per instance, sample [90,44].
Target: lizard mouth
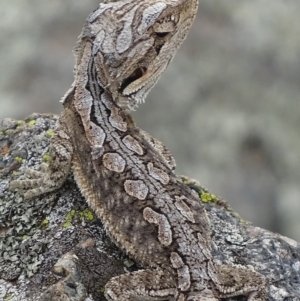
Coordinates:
[128,87]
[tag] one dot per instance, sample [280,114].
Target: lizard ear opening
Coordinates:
[136,74]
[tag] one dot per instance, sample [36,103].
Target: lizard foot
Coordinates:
[37,182]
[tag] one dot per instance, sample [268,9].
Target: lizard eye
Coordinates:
[165,26]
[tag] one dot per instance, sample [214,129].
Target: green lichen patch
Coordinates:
[207,197]
[69,218]
[204,194]
[45,223]
[47,158]
[19,124]
[32,122]
[19,159]
[74,215]
[87,215]
[50,133]
[67,225]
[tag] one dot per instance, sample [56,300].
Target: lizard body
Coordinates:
[126,175]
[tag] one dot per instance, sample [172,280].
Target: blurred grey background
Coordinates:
[227,107]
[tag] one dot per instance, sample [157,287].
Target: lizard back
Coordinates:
[145,208]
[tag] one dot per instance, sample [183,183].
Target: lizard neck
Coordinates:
[95,103]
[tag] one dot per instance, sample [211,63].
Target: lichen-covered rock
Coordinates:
[53,247]
[35,233]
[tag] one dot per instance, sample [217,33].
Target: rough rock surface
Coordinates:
[54,248]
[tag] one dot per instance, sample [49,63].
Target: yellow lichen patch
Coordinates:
[19,159]
[45,223]
[69,219]
[67,224]
[20,123]
[32,122]
[47,158]
[50,133]
[207,197]
[86,214]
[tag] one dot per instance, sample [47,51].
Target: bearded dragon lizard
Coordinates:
[126,175]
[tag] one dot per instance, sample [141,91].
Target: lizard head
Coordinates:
[134,41]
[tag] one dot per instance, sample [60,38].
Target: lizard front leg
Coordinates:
[49,177]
